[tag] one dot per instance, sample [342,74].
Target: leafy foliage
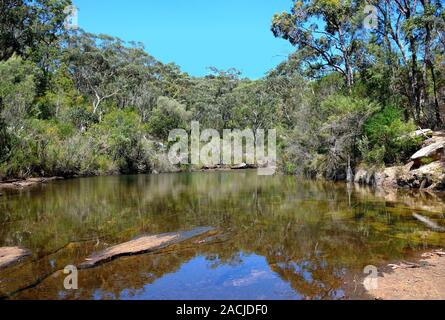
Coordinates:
[76,103]
[388,132]
[17,89]
[168,115]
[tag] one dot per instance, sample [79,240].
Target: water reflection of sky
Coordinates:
[251,278]
[300,239]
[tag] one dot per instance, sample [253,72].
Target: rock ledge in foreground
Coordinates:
[144,244]
[12,255]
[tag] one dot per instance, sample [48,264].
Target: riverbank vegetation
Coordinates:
[75,103]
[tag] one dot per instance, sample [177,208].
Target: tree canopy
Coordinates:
[364,75]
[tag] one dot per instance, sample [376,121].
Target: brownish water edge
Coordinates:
[277,237]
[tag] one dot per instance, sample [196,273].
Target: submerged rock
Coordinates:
[429,223]
[142,245]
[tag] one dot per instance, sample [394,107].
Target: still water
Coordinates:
[276,237]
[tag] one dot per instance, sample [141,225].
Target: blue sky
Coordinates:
[195,34]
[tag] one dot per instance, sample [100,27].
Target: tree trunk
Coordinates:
[428,65]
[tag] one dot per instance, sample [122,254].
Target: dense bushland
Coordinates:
[75,103]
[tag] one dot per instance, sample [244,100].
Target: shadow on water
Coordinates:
[278,237]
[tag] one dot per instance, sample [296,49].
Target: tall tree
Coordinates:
[26,25]
[326,32]
[102,66]
[409,30]
[32,29]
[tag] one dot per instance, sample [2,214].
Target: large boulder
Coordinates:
[430,176]
[377,177]
[362,176]
[430,153]
[388,177]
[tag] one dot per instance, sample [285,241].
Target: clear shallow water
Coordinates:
[277,237]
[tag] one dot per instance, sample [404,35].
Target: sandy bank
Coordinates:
[422,280]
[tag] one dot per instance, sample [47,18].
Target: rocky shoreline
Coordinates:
[424,171]
[18,184]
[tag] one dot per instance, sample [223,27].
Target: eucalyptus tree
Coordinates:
[211,99]
[17,90]
[255,105]
[105,68]
[28,28]
[288,86]
[410,31]
[33,29]
[327,34]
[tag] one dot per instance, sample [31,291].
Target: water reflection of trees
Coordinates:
[311,233]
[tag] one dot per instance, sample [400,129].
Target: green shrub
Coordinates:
[388,131]
[120,135]
[168,115]
[17,89]
[374,155]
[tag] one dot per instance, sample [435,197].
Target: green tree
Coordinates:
[168,115]
[27,28]
[17,89]
[327,34]
[409,31]
[103,67]
[120,136]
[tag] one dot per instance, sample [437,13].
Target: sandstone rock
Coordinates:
[210,167]
[431,176]
[361,176]
[240,166]
[421,280]
[433,151]
[388,178]
[142,245]
[378,177]
[12,255]
[427,133]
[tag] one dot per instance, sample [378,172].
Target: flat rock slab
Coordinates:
[239,166]
[144,244]
[12,255]
[432,150]
[26,183]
